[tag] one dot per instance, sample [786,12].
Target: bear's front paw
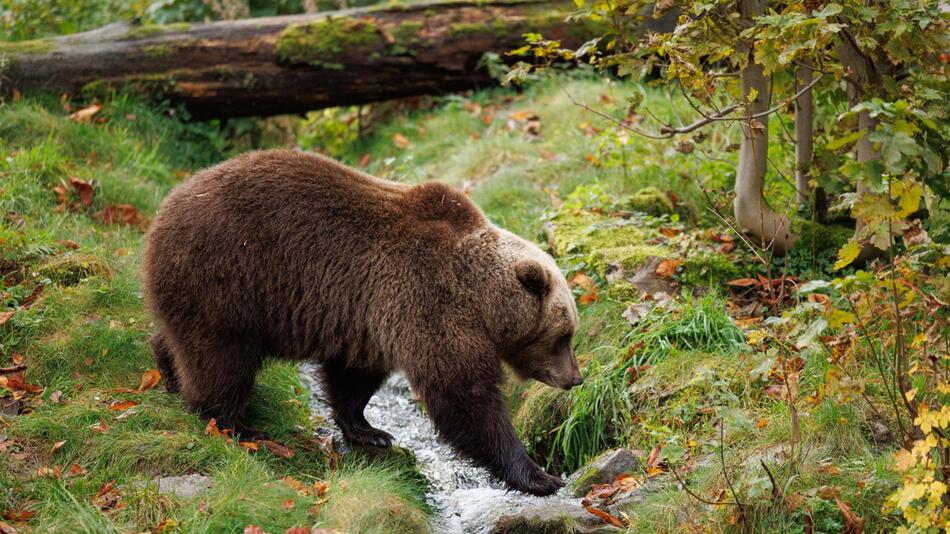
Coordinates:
[537,483]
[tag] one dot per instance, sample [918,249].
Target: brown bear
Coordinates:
[292,255]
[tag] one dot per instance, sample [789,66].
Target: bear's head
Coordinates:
[541,316]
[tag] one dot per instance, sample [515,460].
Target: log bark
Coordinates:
[766,228]
[288,64]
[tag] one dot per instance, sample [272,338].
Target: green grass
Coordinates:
[85,339]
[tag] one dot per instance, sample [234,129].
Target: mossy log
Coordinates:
[290,64]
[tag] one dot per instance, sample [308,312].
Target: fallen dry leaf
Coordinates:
[669,232]
[320,488]
[667,268]
[85,189]
[297,530]
[76,470]
[5,316]
[253,529]
[364,160]
[829,492]
[16,358]
[743,282]
[278,449]
[401,141]
[121,406]
[55,471]
[18,515]
[31,299]
[86,114]
[119,214]
[57,446]
[150,379]
[605,516]
[521,116]
[289,503]
[761,423]
[250,445]
[7,529]
[211,429]
[108,498]
[101,426]
[853,523]
[15,383]
[71,245]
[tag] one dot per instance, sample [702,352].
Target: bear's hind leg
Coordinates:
[216,380]
[348,391]
[164,361]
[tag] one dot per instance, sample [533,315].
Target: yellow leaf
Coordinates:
[904,460]
[847,254]
[910,394]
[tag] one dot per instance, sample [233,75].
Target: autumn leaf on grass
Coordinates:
[401,141]
[76,470]
[121,406]
[605,516]
[586,283]
[120,214]
[250,446]
[5,528]
[18,515]
[253,529]
[212,429]
[85,189]
[57,446]
[108,498]
[5,316]
[853,523]
[667,268]
[86,114]
[278,449]
[149,380]
[15,383]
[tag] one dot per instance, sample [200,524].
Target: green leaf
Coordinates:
[829,10]
[845,140]
[848,253]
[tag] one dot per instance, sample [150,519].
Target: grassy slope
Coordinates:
[701,364]
[87,337]
[700,370]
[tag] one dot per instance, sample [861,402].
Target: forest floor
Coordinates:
[667,343]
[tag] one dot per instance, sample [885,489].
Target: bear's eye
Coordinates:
[563,343]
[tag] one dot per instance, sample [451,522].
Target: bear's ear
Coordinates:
[533,277]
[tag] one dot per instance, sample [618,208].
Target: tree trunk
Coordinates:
[804,131]
[288,64]
[755,218]
[864,81]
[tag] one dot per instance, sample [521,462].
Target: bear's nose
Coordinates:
[578,380]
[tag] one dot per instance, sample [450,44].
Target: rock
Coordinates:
[604,469]
[553,518]
[186,487]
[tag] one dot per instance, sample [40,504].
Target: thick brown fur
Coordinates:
[292,255]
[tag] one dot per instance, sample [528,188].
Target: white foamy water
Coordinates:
[467,498]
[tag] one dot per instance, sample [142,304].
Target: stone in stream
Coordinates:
[604,469]
[553,518]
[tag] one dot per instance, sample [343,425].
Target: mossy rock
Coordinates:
[602,241]
[69,270]
[650,200]
[542,410]
[708,269]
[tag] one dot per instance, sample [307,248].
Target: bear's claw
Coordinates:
[367,435]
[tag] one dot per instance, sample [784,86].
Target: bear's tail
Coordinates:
[165,362]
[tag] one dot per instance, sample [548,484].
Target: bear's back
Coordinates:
[298,247]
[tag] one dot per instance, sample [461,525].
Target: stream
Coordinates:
[465,497]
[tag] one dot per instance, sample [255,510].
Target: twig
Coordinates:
[722,460]
[697,497]
[776,493]
[12,369]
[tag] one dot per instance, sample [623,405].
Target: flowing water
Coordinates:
[466,498]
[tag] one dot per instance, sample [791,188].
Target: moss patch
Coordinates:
[71,269]
[316,42]
[650,200]
[542,409]
[601,241]
[708,269]
[151,30]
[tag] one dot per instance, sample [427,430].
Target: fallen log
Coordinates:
[288,64]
